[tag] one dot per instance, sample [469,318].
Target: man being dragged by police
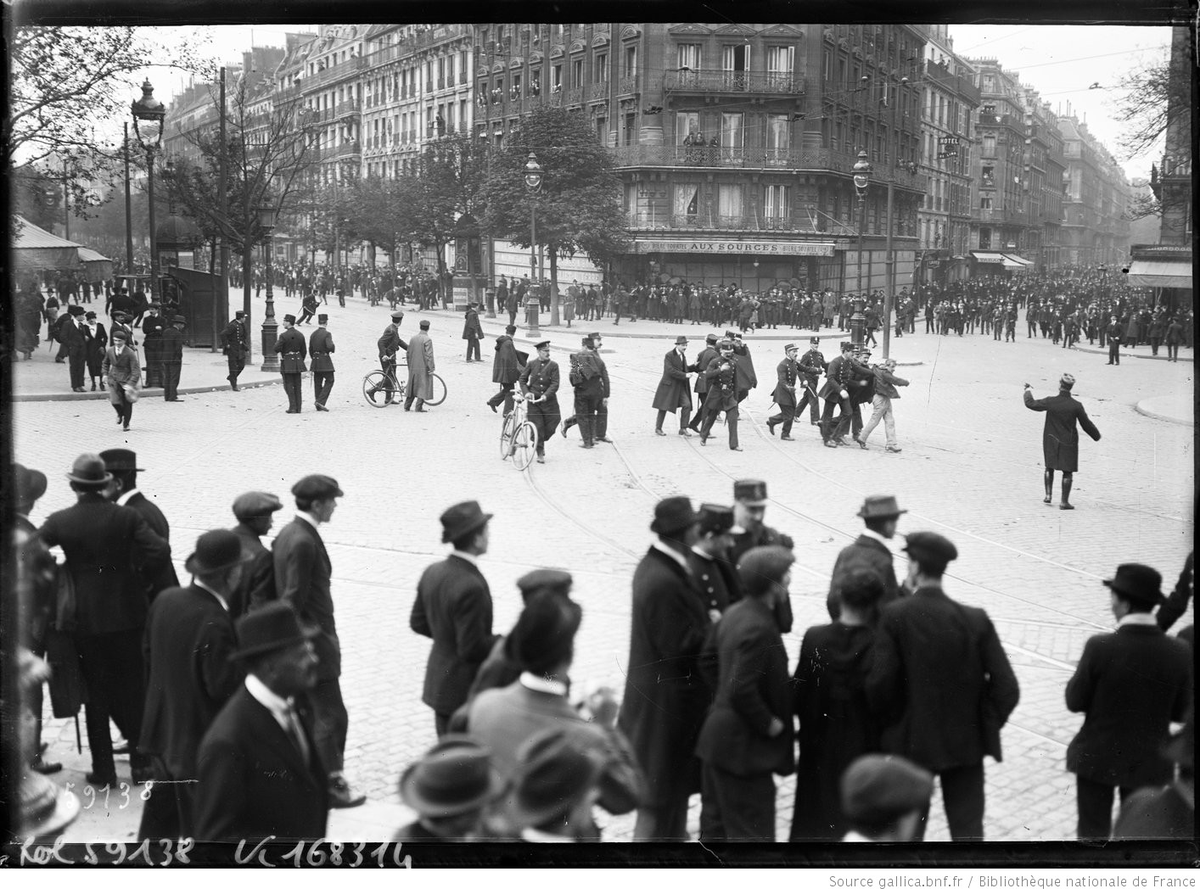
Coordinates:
[585,378]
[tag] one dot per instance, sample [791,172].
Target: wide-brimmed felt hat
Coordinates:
[750,492]
[880,506]
[554,770]
[879,788]
[461,519]
[214,551]
[29,485]
[178,318]
[89,471]
[76,311]
[119,459]
[681,340]
[255,503]
[271,628]
[672,515]
[455,776]
[1137,583]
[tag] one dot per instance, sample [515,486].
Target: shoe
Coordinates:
[684,433]
[419,410]
[100,780]
[175,400]
[290,411]
[93,386]
[126,426]
[703,440]
[44,767]
[605,440]
[771,427]
[341,795]
[1046,500]
[491,406]
[1065,506]
[541,459]
[738,449]
[660,432]
[321,408]
[587,446]
[861,443]
[786,438]
[890,449]
[831,443]
[842,442]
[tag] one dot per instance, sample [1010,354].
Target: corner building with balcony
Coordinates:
[735,143]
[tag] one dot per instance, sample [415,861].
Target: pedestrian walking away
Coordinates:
[320,350]
[171,350]
[291,350]
[473,332]
[420,369]
[1060,437]
[585,378]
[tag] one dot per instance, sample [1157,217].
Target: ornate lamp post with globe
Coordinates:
[270,327]
[533,183]
[148,117]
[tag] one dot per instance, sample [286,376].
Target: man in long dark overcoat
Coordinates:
[1060,438]
[665,696]
[672,393]
[506,369]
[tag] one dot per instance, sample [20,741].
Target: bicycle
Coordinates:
[518,436]
[381,388]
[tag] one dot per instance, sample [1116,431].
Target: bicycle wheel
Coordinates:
[506,435]
[439,390]
[377,387]
[525,443]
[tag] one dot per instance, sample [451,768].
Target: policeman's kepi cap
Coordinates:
[542,344]
[397,315]
[725,344]
[254,504]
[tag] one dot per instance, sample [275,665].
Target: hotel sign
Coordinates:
[739,247]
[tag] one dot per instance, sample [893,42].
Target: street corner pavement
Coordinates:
[1179,407]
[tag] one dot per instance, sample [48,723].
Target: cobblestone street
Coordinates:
[971,468]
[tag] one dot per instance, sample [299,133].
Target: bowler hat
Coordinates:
[672,515]
[255,503]
[543,579]
[289,318]
[1140,584]
[879,788]
[555,769]
[397,315]
[715,519]
[90,315]
[29,484]
[455,776]
[273,627]
[544,634]
[75,311]
[322,318]
[316,487]
[762,566]
[932,550]
[681,340]
[214,550]
[880,506]
[119,459]
[461,519]
[750,492]
[89,471]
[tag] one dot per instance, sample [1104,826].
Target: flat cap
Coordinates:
[763,566]
[544,579]
[254,504]
[878,788]
[316,487]
[930,549]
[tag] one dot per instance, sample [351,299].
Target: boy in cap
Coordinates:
[454,608]
[673,393]
[291,350]
[320,349]
[256,588]
[540,380]
[941,684]
[1130,686]
[450,788]
[1060,437]
[259,766]
[885,798]
[303,575]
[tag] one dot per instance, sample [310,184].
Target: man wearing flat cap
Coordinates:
[302,580]
[291,350]
[259,767]
[450,788]
[672,393]
[539,382]
[885,798]
[454,608]
[256,586]
[190,677]
[747,738]
[941,684]
[665,695]
[388,344]
[872,550]
[1060,437]
[320,349]
[1130,686]
[105,545]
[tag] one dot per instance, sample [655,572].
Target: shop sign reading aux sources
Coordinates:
[689,246]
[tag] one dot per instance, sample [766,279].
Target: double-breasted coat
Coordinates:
[540,378]
[786,376]
[291,350]
[1060,438]
[420,366]
[672,392]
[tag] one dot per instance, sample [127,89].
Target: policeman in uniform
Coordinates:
[702,360]
[320,349]
[539,381]
[836,395]
[749,531]
[601,432]
[291,350]
[812,364]
[709,559]
[388,344]
[722,393]
[786,373]
[235,338]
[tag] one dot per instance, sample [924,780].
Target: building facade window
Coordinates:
[732,132]
[689,56]
[687,197]
[776,202]
[735,61]
[780,65]
[778,137]
[601,68]
[729,200]
[686,124]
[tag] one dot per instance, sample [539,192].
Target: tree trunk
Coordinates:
[247,272]
[553,252]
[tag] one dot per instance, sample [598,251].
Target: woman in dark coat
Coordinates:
[829,698]
[94,349]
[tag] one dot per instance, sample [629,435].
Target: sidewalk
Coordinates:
[1177,408]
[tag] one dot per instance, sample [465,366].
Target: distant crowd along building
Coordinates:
[736,144]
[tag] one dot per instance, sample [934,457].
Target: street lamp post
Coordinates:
[270,328]
[148,117]
[533,183]
[862,177]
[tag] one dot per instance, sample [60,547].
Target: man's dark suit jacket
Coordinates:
[1130,685]
[753,688]
[104,545]
[454,608]
[189,637]
[302,573]
[941,682]
[864,553]
[257,585]
[253,781]
[161,575]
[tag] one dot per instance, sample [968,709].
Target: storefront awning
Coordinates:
[1018,259]
[1161,274]
[988,257]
